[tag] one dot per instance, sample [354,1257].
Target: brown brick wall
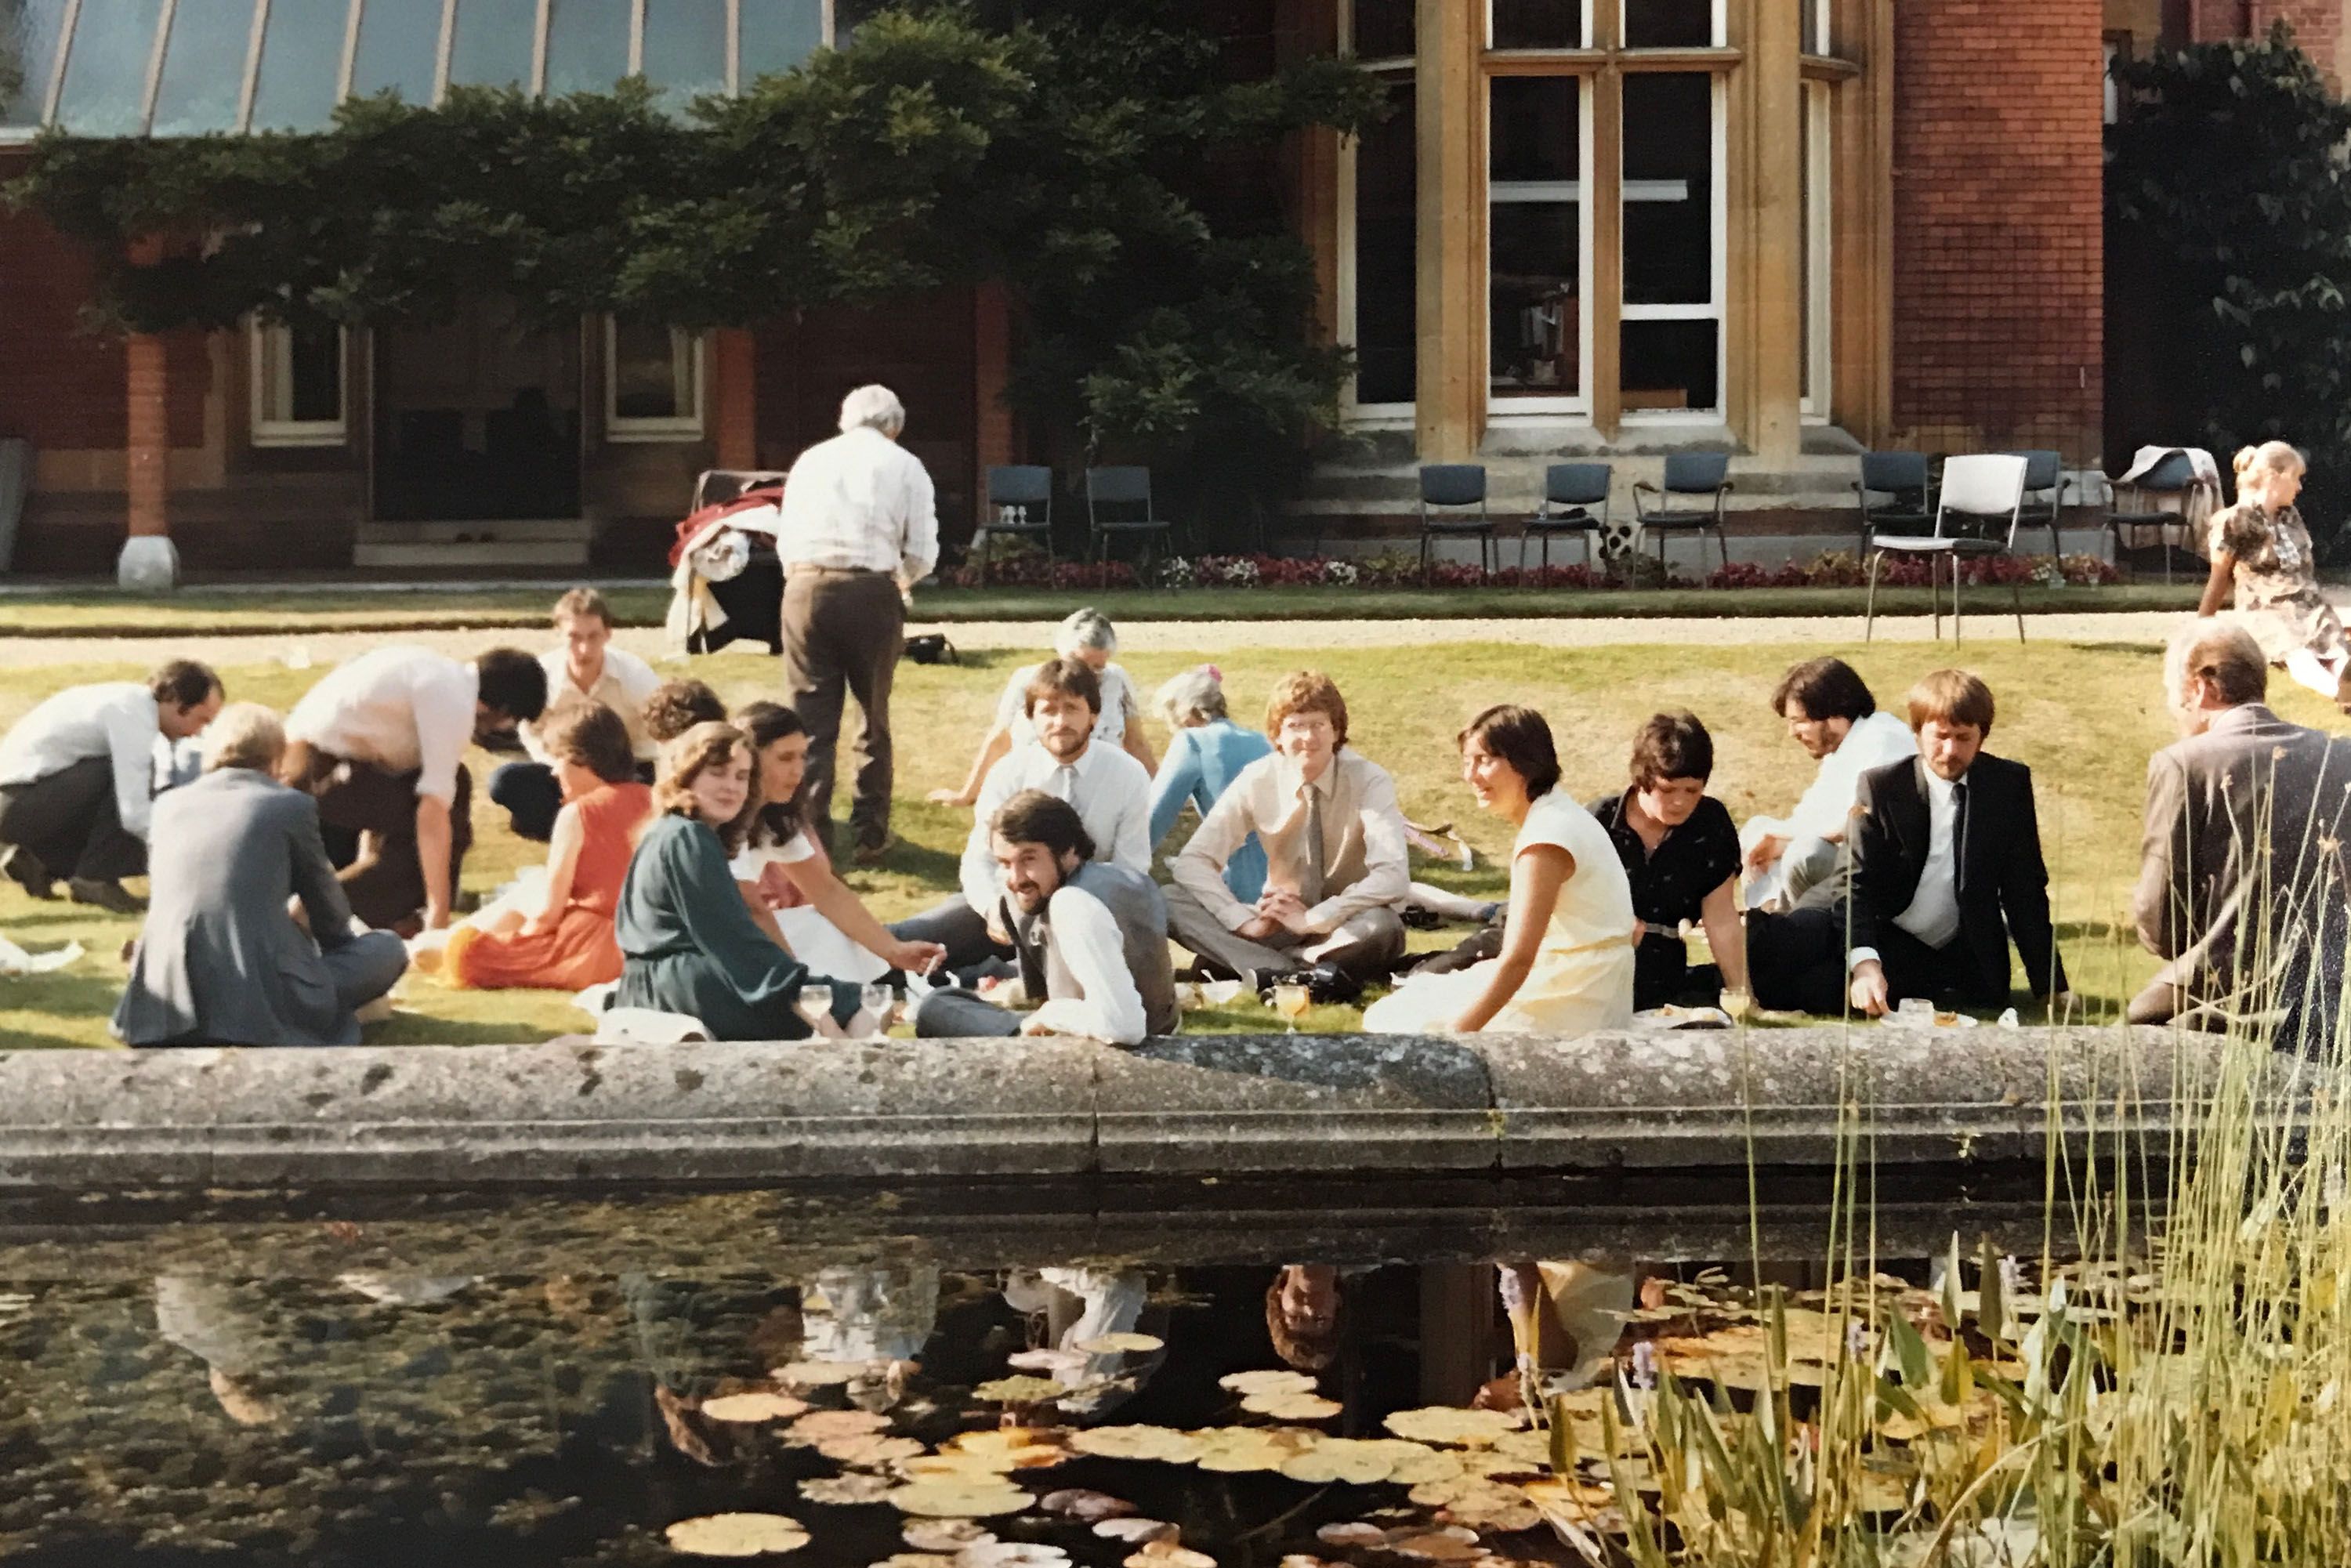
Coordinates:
[1999,334]
[62,387]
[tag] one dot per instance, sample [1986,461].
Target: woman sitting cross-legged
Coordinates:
[567,944]
[688,945]
[1566,964]
[785,876]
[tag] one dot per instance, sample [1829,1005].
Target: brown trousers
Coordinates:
[843,632]
[390,893]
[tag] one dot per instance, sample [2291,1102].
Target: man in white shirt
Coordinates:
[859,528]
[382,742]
[1336,871]
[1093,938]
[78,780]
[586,672]
[1830,714]
[1109,790]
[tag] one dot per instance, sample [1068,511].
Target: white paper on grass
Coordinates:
[14,961]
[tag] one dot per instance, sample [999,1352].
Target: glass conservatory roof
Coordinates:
[186,68]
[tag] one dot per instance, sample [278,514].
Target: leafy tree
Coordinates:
[1095,156]
[2228,194]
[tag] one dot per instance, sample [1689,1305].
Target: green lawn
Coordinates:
[2084,716]
[201,612]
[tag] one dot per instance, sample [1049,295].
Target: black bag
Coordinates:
[932,648]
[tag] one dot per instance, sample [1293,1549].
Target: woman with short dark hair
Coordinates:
[1566,964]
[1680,853]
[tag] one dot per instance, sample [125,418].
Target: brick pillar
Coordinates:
[736,430]
[148,559]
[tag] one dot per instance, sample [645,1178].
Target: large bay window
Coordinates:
[1538,250]
[1673,24]
[1540,25]
[1670,354]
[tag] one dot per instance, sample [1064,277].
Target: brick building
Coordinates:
[1787,228]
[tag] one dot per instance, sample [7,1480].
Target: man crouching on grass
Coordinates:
[1092,937]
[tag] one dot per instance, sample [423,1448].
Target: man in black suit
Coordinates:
[1947,868]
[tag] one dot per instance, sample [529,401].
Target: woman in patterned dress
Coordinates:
[2261,546]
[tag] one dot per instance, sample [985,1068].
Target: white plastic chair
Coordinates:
[1982,501]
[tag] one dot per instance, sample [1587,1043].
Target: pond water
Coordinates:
[457,1379]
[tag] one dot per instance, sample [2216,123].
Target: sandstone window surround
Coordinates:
[1628,212]
[186,68]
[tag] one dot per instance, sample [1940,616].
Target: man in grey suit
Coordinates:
[2245,874]
[221,961]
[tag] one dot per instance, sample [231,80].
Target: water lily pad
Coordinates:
[1269,1382]
[1473,1500]
[1292,1407]
[1006,1448]
[1353,1461]
[1355,1533]
[822,1425]
[1011,1554]
[916,1560]
[1235,1449]
[868,1449]
[1168,1554]
[846,1491]
[751,1407]
[1089,1507]
[1046,1360]
[1436,1545]
[1135,1531]
[1443,1424]
[942,1497]
[1020,1390]
[1121,1345]
[818,1374]
[1160,1443]
[948,1535]
[737,1535]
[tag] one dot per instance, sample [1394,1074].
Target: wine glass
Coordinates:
[815,1006]
[1290,1000]
[878,1001]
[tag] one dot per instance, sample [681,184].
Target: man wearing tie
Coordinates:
[1107,789]
[1947,868]
[1334,843]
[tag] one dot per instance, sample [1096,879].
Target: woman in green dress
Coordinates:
[689,943]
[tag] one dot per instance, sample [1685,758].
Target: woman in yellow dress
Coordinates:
[1566,964]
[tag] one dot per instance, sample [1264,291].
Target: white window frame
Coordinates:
[1823,29]
[1721,25]
[1820,229]
[1516,406]
[1584,40]
[1713,309]
[2112,90]
[667,427]
[1374,415]
[270,351]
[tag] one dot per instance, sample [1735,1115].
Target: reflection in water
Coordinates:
[392,1417]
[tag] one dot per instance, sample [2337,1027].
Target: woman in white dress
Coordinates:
[785,876]
[1087,635]
[1566,964]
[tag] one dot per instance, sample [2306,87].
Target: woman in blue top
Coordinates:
[1207,753]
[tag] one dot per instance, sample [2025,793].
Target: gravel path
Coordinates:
[2145,628]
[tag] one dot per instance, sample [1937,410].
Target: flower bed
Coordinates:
[1398,569]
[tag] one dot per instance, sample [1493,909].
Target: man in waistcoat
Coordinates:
[1092,937]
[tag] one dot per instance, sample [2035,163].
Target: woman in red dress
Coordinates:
[567,944]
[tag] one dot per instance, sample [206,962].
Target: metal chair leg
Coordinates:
[1934,594]
[1869,613]
[1956,632]
[2016,598]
